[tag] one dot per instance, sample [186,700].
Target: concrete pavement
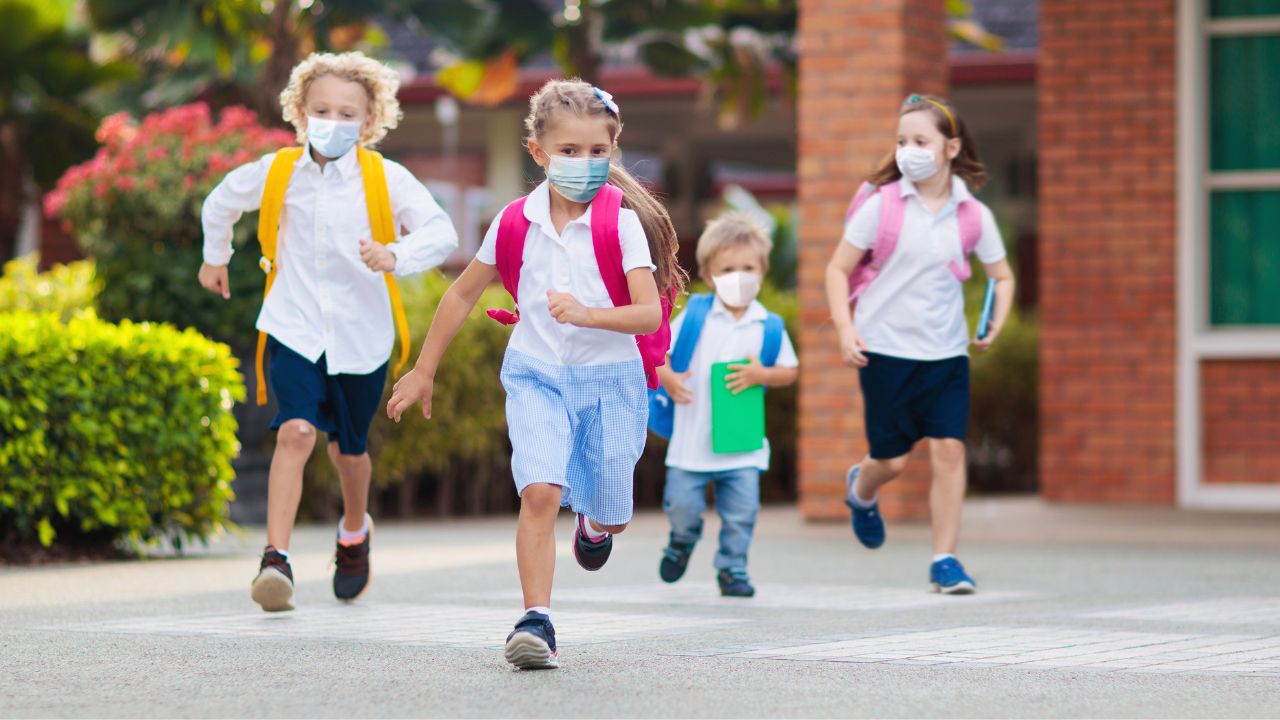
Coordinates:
[1099,612]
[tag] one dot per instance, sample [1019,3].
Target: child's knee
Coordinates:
[893,467]
[541,498]
[611,529]
[948,452]
[296,437]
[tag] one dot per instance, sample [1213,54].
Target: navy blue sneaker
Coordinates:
[591,555]
[675,559]
[868,524]
[947,576]
[735,583]
[532,645]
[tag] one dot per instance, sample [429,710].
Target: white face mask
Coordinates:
[330,138]
[916,163]
[737,289]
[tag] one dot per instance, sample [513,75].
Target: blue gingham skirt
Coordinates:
[578,426]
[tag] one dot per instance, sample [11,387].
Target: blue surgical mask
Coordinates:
[578,179]
[331,138]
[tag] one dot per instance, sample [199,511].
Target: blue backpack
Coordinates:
[662,409]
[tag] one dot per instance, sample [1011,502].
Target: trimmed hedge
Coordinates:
[64,290]
[120,432]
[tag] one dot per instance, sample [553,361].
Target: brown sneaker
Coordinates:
[273,588]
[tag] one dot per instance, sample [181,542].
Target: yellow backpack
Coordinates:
[381,220]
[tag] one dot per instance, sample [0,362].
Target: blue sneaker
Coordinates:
[868,524]
[947,576]
[532,644]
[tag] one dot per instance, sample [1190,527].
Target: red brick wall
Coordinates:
[858,60]
[1106,89]
[1240,403]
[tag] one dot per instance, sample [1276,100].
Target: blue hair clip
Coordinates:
[607,99]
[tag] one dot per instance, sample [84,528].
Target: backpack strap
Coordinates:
[893,211]
[865,191]
[969,222]
[377,198]
[513,228]
[272,205]
[774,328]
[695,316]
[605,209]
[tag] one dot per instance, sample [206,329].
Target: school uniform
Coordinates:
[916,384]
[691,463]
[328,315]
[577,402]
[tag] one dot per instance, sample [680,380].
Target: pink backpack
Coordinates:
[513,228]
[892,212]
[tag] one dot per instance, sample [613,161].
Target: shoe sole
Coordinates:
[528,652]
[963,588]
[273,591]
[368,580]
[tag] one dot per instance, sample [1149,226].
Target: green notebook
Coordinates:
[737,421]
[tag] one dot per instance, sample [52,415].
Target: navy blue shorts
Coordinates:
[340,405]
[905,401]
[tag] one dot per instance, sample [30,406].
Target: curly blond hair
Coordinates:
[379,81]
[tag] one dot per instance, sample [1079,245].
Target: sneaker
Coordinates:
[675,559]
[947,576]
[351,576]
[868,524]
[532,644]
[273,588]
[735,583]
[591,555]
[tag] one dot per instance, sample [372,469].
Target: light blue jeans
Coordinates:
[737,503]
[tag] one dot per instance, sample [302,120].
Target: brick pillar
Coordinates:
[1108,247]
[858,60]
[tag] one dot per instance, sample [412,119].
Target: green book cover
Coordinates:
[737,421]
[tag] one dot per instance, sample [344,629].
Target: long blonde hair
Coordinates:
[579,97]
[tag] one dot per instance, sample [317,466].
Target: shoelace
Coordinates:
[347,558]
[674,554]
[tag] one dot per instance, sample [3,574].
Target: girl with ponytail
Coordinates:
[590,259]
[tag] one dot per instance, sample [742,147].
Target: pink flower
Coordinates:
[115,129]
[53,203]
[127,183]
[100,190]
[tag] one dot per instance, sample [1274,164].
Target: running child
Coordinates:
[590,258]
[331,215]
[733,256]
[903,261]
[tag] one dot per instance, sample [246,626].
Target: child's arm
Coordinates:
[239,192]
[842,263]
[1002,273]
[784,371]
[752,373]
[417,384]
[431,237]
[674,383]
[642,316]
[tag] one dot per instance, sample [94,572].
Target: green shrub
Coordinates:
[64,290]
[118,431]
[1004,401]
[459,459]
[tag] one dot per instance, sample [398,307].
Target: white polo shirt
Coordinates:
[566,262]
[325,300]
[914,309]
[723,338]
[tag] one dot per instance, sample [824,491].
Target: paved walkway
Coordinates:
[1082,612]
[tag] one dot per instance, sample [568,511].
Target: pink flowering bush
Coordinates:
[135,207]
